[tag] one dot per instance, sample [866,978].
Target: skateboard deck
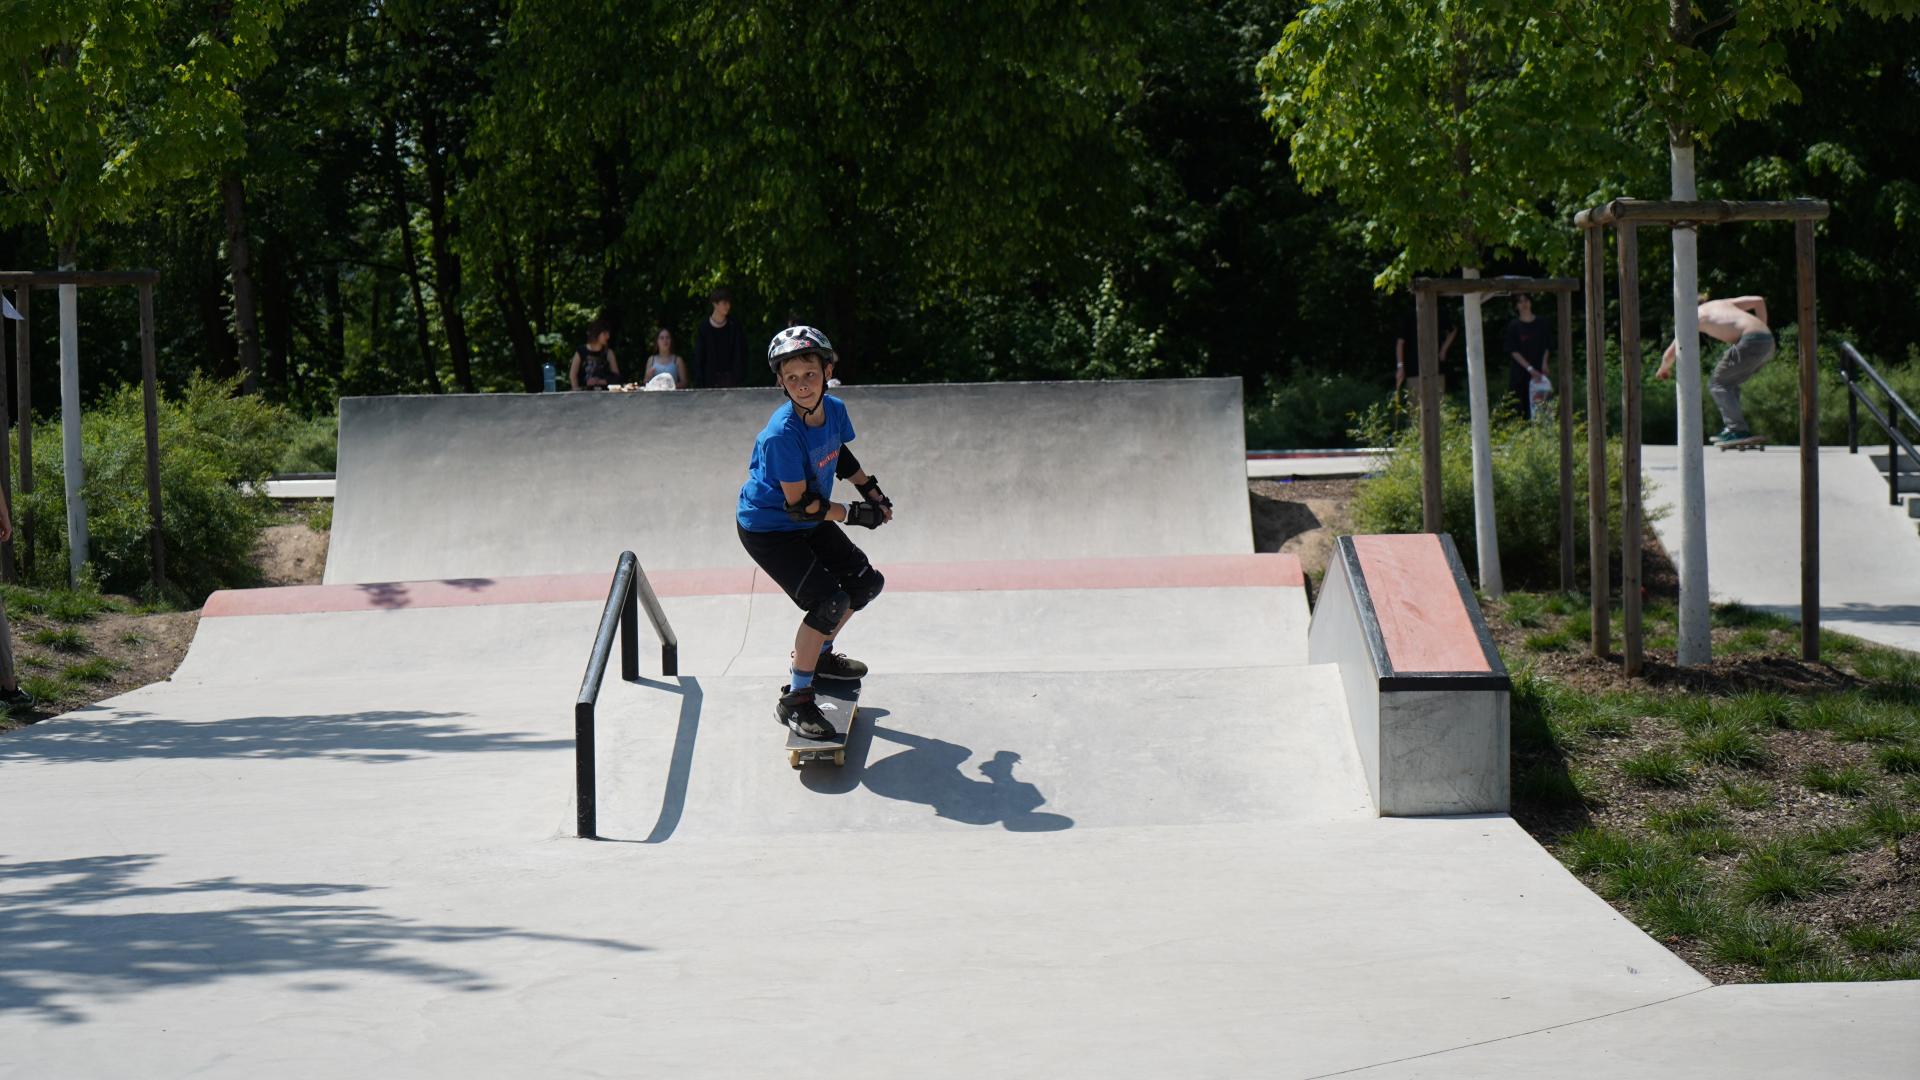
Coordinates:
[1754,443]
[839,702]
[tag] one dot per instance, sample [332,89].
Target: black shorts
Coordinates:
[810,564]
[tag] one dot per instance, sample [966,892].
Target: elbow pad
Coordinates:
[808,507]
[848,464]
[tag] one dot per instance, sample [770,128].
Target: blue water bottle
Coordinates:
[548,376]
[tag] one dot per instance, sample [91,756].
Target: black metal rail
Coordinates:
[1852,366]
[621,616]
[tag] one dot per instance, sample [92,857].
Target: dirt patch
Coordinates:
[1301,517]
[291,554]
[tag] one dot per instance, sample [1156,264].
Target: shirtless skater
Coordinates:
[1742,323]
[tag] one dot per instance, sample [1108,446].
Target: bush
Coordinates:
[1311,409]
[313,446]
[210,441]
[1526,491]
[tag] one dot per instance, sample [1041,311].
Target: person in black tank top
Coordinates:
[594,365]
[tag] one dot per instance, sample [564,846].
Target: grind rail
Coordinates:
[621,616]
[1852,367]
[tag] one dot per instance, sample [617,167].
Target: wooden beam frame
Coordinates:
[24,281]
[1626,216]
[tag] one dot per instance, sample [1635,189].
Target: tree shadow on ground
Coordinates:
[376,736]
[72,934]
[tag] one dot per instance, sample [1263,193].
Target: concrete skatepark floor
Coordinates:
[338,840]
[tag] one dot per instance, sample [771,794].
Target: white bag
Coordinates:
[662,381]
[1539,390]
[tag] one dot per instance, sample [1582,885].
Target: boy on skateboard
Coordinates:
[1741,322]
[790,526]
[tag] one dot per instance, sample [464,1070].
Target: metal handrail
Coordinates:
[1851,362]
[630,591]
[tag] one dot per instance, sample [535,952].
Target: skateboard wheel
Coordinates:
[839,757]
[793,758]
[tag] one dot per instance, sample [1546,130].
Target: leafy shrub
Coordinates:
[1311,409]
[1526,491]
[313,446]
[210,441]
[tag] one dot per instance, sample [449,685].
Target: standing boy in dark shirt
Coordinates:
[1525,343]
[787,521]
[720,352]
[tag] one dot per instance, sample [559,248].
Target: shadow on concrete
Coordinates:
[928,771]
[72,931]
[393,595]
[378,736]
[674,799]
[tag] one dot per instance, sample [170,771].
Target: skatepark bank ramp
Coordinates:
[512,484]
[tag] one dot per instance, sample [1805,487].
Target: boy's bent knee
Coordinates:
[865,587]
[825,616]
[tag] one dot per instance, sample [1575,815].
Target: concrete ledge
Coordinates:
[1427,695]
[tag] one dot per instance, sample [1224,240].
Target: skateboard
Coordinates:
[839,702]
[1753,442]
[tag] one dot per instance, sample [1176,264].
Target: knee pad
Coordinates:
[825,616]
[866,587]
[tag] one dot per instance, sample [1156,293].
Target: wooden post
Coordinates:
[1809,445]
[1565,374]
[149,380]
[8,572]
[23,376]
[1597,441]
[1426,309]
[1630,644]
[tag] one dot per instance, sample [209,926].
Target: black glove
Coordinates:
[871,492]
[866,515]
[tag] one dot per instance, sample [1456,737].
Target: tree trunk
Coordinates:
[246,331]
[336,321]
[1486,539]
[276,312]
[1696,643]
[613,225]
[404,215]
[513,308]
[72,461]
[446,264]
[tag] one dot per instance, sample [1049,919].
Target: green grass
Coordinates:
[1878,938]
[1741,796]
[1726,743]
[1659,767]
[320,517]
[1888,665]
[1783,870]
[1601,716]
[1851,781]
[1889,820]
[132,638]
[1874,724]
[1739,617]
[1549,641]
[1748,641]
[1693,714]
[1842,839]
[1763,940]
[1592,849]
[36,662]
[1565,603]
[1904,758]
[99,669]
[1683,915]
[64,639]
[47,689]
[1548,784]
[1527,610]
[1761,710]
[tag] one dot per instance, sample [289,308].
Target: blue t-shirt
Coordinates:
[788,450]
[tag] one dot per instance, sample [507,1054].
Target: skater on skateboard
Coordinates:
[1742,323]
[791,527]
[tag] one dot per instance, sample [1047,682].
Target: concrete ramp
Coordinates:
[510,485]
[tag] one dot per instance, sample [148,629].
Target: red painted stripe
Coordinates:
[1417,603]
[1173,572]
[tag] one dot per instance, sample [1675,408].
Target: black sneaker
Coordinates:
[797,711]
[840,666]
[17,698]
